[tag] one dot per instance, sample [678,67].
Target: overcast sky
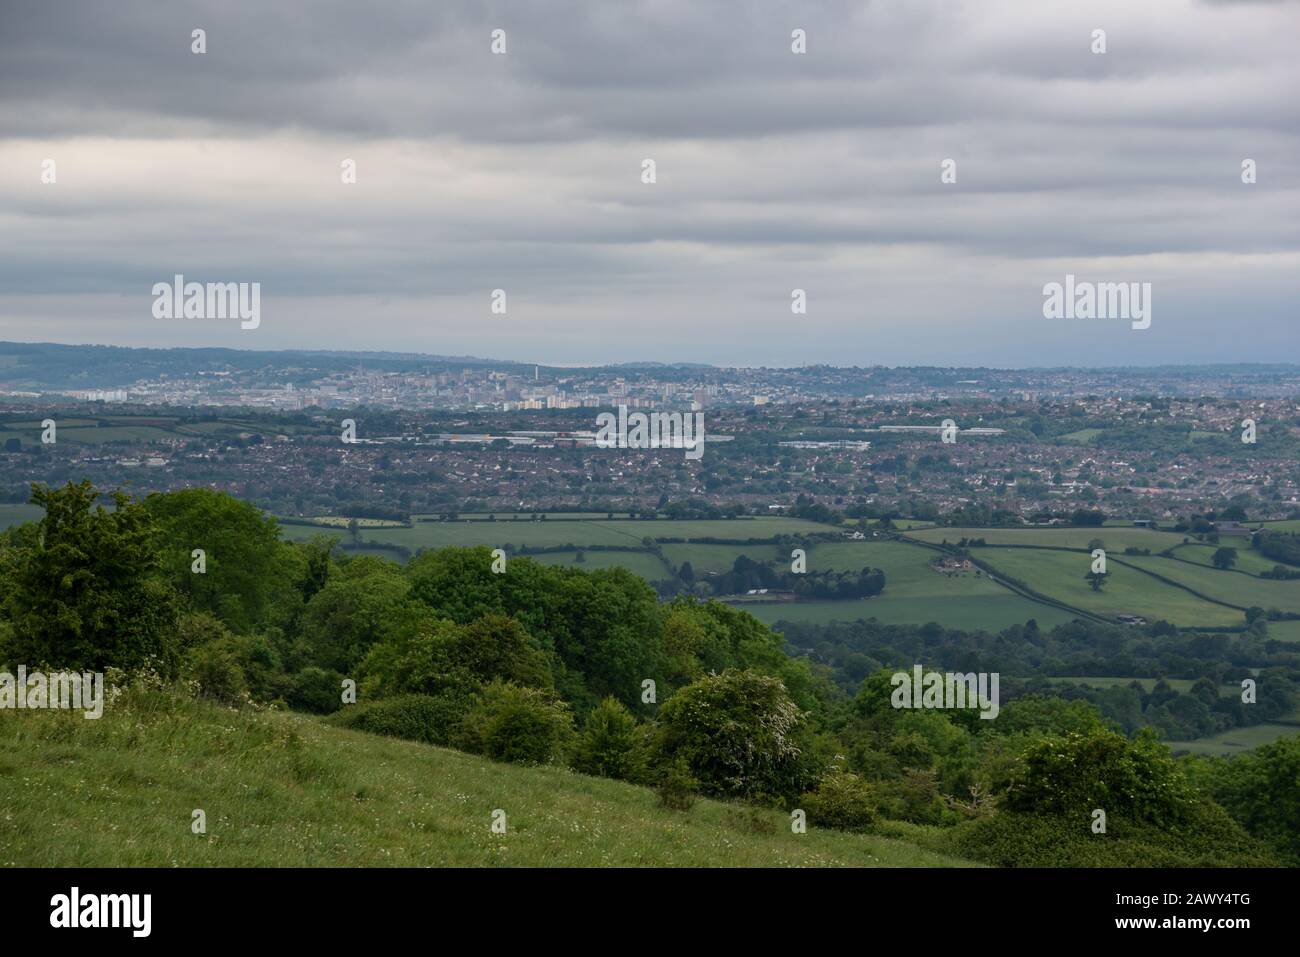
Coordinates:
[775,171]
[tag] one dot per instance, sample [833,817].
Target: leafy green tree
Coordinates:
[86,592]
[427,656]
[497,646]
[241,549]
[216,669]
[361,604]
[1261,791]
[1045,715]
[739,735]
[1072,774]
[518,725]
[609,743]
[605,627]
[1224,558]
[842,800]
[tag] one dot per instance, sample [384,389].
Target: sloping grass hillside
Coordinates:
[281,789]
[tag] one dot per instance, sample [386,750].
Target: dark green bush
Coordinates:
[415,717]
[216,668]
[610,743]
[676,787]
[520,725]
[1011,839]
[739,734]
[751,820]
[317,690]
[842,800]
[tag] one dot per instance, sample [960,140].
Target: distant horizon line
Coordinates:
[651,364]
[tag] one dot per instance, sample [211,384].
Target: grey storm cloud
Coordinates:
[775,171]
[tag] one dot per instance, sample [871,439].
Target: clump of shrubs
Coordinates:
[415,717]
[842,800]
[751,820]
[676,787]
[520,725]
[318,690]
[610,744]
[215,668]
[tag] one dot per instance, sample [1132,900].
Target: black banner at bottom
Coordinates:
[138,906]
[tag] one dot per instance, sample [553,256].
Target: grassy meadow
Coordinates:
[1235,741]
[1239,589]
[1060,575]
[1114,539]
[581,533]
[280,788]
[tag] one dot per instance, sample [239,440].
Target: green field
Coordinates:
[1284,630]
[1060,575]
[235,426]
[720,558]
[336,523]
[578,533]
[34,425]
[908,524]
[281,789]
[18,514]
[1114,539]
[126,433]
[1243,590]
[527,516]
[139,428]
[1235,741]
[990,613]
[901,561]
[1248,560]
[914,592]
[1290,525]
[1083,436]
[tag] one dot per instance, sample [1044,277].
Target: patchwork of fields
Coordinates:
[645,564]
[1228,586]
[581,534]
[915,592]
[1061,575]
[1114,539]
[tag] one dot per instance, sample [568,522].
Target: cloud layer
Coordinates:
[775,171]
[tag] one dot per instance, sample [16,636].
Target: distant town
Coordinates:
[1025,445]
